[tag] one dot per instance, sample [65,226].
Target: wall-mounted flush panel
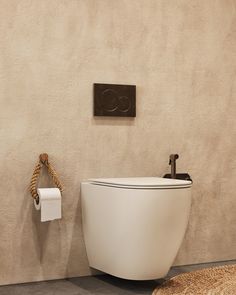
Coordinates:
[114,100]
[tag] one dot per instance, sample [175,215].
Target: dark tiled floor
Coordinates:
[98,285]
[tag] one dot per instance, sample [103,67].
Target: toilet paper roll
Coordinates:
[49,203]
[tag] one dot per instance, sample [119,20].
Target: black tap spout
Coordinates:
[172,162]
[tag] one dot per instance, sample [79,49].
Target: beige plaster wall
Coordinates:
[181,54]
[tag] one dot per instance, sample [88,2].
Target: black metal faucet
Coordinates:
[173,174]
[172,163]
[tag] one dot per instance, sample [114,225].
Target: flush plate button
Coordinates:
[114,100]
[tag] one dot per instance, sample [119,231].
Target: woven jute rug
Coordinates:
[211,281]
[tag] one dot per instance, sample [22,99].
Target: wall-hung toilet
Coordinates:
[133,227]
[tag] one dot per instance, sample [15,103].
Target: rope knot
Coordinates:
[43,158]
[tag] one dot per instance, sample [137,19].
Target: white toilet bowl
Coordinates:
[133,227]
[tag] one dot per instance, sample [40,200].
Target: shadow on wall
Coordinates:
[46,231]
[77,254]
[113,121]
[34,240]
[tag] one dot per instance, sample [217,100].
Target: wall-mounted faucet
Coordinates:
[172,163]
[173,174]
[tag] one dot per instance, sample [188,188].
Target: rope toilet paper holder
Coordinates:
[43,161]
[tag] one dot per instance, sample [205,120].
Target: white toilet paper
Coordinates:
[49,203]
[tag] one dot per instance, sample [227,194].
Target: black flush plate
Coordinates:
[114,100]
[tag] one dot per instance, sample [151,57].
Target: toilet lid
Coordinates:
[142,182]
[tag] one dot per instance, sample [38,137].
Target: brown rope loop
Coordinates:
[34,180]
[54,176]
[43,160]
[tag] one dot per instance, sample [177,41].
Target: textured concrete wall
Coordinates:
[181,55]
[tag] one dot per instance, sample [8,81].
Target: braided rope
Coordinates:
[54,176]
[35,176]
[34,180]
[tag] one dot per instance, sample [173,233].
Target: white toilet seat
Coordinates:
[142,182]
